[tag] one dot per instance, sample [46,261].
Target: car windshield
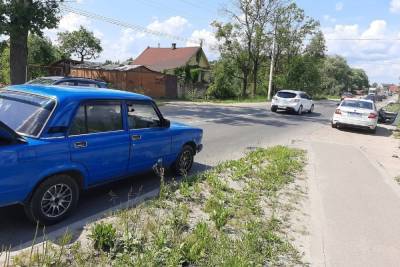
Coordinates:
[286,95]
[25,113]
[44,81]
[357,104]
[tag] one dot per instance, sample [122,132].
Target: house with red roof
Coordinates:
[169,60]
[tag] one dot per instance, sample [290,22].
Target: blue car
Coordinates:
[56,141]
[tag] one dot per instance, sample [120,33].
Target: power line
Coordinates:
[137,28]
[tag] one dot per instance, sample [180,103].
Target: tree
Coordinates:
[292,28]
[4,63]
[81,43]
[335,74]
[41,52]
[358,79]
[317,46]
[17,19]
[224,83]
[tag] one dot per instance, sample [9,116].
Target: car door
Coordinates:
[98,140]
[150,141]
[305,101]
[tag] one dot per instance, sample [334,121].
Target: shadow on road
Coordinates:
[380,131]
[242,116]
[16,230]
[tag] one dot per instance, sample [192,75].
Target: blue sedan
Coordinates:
[57,141]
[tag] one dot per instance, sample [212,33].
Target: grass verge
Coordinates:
[223,217]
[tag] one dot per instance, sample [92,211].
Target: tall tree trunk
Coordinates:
[245,82]
[255,76]
[18,56]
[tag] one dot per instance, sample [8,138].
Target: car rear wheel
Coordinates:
[333,125]
[300,111]
[53,200]
[185,160]
[311,109]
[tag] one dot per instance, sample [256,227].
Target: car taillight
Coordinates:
[372,116]
[337,111]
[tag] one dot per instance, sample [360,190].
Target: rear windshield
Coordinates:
[357,104]
[286,95]
[25,113]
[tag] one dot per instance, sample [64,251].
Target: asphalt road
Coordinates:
[229,131]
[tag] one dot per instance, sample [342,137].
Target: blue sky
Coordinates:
[190,19]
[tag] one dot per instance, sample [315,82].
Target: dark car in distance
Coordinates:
[68,81]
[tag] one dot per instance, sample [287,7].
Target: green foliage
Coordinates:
[18,16]
[224,84]
[17,19]
[4,63]
[41,52]
[335,73]
[103,236]
[81,43]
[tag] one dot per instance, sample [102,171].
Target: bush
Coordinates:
[103,236]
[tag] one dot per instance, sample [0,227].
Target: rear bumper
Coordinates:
[286,107]
[355,126]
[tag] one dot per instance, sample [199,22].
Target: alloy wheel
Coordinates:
[56,200]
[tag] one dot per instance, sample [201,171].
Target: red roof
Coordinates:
[160,59]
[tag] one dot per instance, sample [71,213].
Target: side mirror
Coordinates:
[166,123]
[338,104]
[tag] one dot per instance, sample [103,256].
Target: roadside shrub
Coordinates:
[103,236]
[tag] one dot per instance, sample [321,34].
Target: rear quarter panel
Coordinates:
[181,135]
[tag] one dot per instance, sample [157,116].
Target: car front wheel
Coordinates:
[185,160]
[53,200]
[274,108]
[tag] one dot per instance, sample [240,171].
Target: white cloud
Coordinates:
[174,25]
[375,56]
[328,18]
[210,43]
[339,6]
[395,6]
[72,22]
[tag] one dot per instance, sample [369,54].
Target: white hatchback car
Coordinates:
[290,100]
[356,113]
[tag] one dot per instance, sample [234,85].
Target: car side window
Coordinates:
[304,96]
[142,115]
[97,117]
[86,84]
[66,83]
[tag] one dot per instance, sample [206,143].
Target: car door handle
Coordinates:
[82,144]
[136,137]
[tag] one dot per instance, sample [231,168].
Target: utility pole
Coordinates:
[271,69]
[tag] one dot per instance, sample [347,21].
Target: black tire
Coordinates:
[333,125]
[373,131]
[300,111]
[311,109]
[67,191]
[184,162]
[274,108]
